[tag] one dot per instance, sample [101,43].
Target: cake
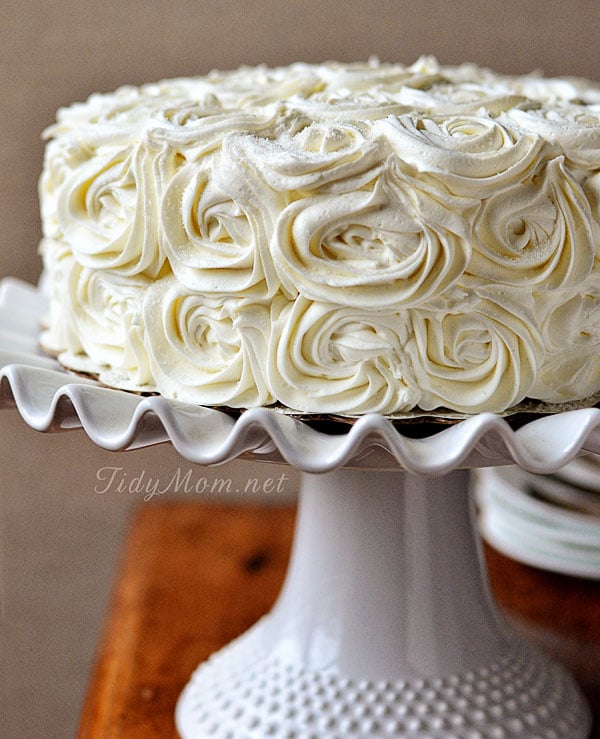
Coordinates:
[330,238]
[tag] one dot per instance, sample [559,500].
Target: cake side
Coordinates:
[334,238]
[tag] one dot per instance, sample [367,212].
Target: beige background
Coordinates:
[58,539]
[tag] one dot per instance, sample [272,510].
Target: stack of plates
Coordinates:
[548,521]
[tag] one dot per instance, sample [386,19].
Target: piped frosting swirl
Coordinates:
[336,238]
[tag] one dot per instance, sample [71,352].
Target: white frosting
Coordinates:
[538,232]
[337,238]
[574,128]
[206,350]
[472,155]
[335,359]
[304,154]
[477,355]
[389,242]
[96,315]
[217,218]
[107,209]
[59,333]
[571,332]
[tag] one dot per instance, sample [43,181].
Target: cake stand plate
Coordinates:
[384,626]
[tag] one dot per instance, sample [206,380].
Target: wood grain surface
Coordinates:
[195,576]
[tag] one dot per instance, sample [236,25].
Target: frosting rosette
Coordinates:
[355,108]
[571,331]
[254,87]
[574,128]
[201,130]
[539,232]
[217,219]
[303,154]
[473,357]
[366,91]
[461,98]
[108,208]
[61,157]
[101,117]
[106,326]
[556,90]
[209,351]
[258,86]
[392,244]
[360,77]
[472,155]
[331,359]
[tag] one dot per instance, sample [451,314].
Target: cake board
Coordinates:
[384,626]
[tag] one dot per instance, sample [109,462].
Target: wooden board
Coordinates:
[195,576]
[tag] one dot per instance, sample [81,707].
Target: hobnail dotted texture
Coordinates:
[243,693]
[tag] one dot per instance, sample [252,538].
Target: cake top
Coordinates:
[241,99]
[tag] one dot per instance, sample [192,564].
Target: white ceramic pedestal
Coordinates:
[384,628]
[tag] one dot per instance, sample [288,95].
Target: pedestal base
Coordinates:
[384,628]
[244,692]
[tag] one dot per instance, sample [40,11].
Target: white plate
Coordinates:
[535,531]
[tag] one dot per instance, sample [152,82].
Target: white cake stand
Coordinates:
[385,626]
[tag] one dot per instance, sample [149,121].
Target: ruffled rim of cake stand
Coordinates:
[49,398]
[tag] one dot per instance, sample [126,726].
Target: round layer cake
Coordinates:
[335,238]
